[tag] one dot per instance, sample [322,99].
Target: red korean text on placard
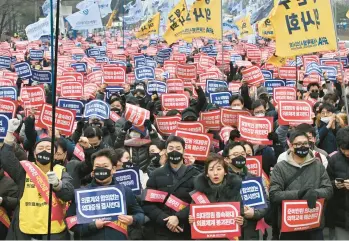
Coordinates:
[114,75]
[211,120]
[284,93]
[255,129]
[195,127]
[294,112]
[196,145]
[288,73]
[34,94]
[174,101]
[253,76]
[230,117]
[8,106]
[215,221]
[186,71]
[175,86]
[167,125]
[296,215]
[72,90]
[254,165]
[136,114]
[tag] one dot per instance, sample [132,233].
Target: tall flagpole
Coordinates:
[123,24]
[222,37]
[54,57]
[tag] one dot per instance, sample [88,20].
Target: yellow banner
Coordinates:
[244,26]
[277,61]
[149,27]
[265,29]
[303,27]
[347,14]
[203,20]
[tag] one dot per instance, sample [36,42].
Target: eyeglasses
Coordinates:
[299,144]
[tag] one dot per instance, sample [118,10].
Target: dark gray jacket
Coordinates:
[314,176]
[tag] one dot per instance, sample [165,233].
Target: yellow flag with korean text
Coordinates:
[347,15]
[265,29]
[149,27]
[175,22]
[244,26]
[303,27]
[203,20]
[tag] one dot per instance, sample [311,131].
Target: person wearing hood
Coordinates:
[189,114]
[138,153]
[300,177]
[235,155]
[218,185]
[176,179]
[338,171]
[33,179]
[104,166]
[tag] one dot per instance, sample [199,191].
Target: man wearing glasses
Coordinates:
[300,177]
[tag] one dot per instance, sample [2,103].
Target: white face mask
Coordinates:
[325,119]
[134,134]
[259,115]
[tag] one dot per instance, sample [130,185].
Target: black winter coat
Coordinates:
[162,180]
[337,213]
[139,155]
[9,194]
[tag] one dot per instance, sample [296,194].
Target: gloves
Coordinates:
[234,134]
[273,137]
[13,125]
[80,125]
[302,192]
[52,179]
[127,126]
[311,197]
[147,124]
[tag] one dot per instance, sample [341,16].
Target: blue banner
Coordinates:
[270,84]
[5,62]
[79,67]
[152,63]
[206,49]
[23,70]
[145,73]
[76,105]
[129,178]
[94,69]
[93,53]
[184,49]
[8,92]
[291,83]
[153,42]
[345,61]
[36,55]
[220,98]
[139,61]
[331,72]
[313,68]
[268,74]
[118,62]
[105,203]
[324,60]
[166,51]
[13,59]
[102,60]
[42,76]
[97,108]
[253,193]
[4,119]
[213,84]
[235,57]
[78,57]
[158,86]
[112,89]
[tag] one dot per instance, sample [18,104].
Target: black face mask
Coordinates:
[116,110]
[127,164]
[301,151]
[154,158]
[43,157]
[175,157]
[314,95]
[239,161]
[102,173]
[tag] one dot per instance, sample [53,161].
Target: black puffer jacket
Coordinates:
[162,180]
[139,155]
[338,207]
[9,195]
